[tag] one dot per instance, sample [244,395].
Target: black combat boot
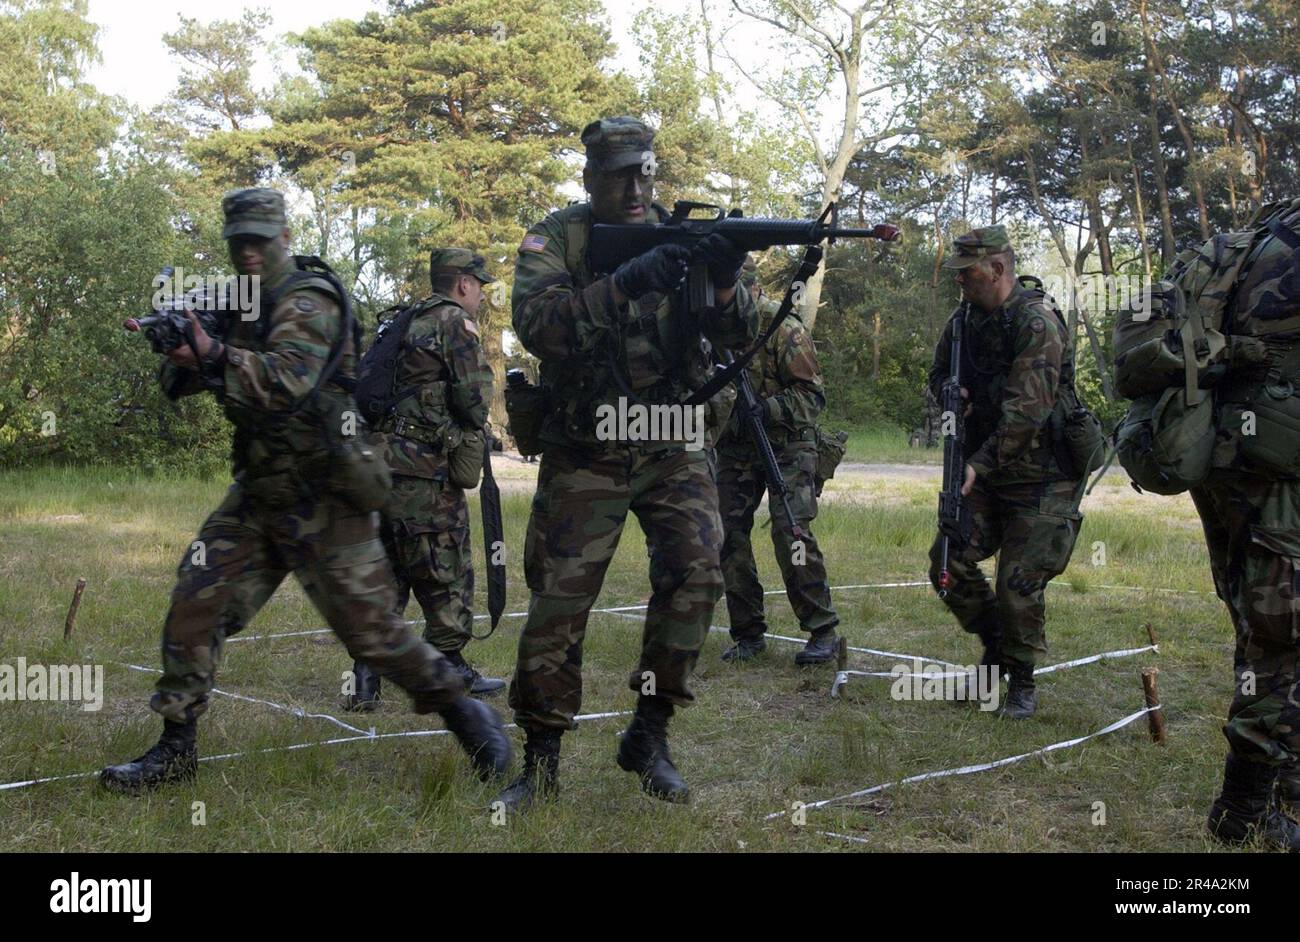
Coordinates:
[1288,789]
[476,683]
[174,758]
[365,697]
[820,648]
[480,732]
[746,648]
[540,777]
[644,750]
[1245,809]
[1020,702]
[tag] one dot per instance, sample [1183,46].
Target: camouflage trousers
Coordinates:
[1252,530]
[425,529]
[1032,527]
[579,509]
[741,486]
[244,551]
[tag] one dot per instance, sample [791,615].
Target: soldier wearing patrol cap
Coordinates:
[598,336]
[283,377]
[1022,491]
[788,382]
[442,384]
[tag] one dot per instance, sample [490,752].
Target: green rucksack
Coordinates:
[1172,349]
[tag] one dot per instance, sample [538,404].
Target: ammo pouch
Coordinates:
[465,458]
[526,408]
[1084,440]
[830,452]
[1164,443]
[1275,443]
[359,474]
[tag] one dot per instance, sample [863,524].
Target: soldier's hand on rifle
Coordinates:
[724,259]
[965,394]
[969,482]
[183,355]
[658,270]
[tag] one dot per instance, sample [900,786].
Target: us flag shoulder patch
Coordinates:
[533,243]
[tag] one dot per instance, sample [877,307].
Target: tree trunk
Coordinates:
[875,346]
[1157,60]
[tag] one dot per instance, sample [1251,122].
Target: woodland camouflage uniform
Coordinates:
[1019,369]
[787,381]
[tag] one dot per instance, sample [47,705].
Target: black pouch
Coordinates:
[526,408]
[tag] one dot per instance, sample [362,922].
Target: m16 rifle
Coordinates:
[167,326]
[751,408]
[613,244]
[954,514]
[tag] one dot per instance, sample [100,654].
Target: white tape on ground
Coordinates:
[841,677]
[633,608]
[305,745]
[303,714]
[971,769]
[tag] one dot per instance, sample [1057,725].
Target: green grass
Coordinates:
[881,443]
[761,736]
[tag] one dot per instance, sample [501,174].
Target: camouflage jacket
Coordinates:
[443,365]
[787,380]
[1018,366]
[565,315]
[271,367]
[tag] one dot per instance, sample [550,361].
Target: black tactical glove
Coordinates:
[658,270]
[723,257]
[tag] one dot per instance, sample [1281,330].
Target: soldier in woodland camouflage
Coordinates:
[788,382]
[443,386]
[282,513]
[600,336]
[1022,492]
[1250,512]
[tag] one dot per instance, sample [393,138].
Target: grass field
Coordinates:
[761,737]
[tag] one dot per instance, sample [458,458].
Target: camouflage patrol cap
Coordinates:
[454,261]
[615,143]
[256,211]
[976,245]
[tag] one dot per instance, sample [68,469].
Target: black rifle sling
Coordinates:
[811,260]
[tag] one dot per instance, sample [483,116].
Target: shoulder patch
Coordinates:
[304,304]
[533,243]
[1038,323]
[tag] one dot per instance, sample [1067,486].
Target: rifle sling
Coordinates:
[811,260]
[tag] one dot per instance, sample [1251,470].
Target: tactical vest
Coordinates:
[264,438]
[988,350]
[654,359]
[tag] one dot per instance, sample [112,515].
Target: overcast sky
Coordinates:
[136,64]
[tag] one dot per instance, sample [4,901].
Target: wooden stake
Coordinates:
[842,653]
[72,609]
[1151,634]
[1156,718]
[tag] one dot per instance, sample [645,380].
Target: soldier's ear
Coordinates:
[286,238]
[586,178]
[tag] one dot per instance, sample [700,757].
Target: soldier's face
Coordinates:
[979,284]
[471,292]
[253,255]
[620,196]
